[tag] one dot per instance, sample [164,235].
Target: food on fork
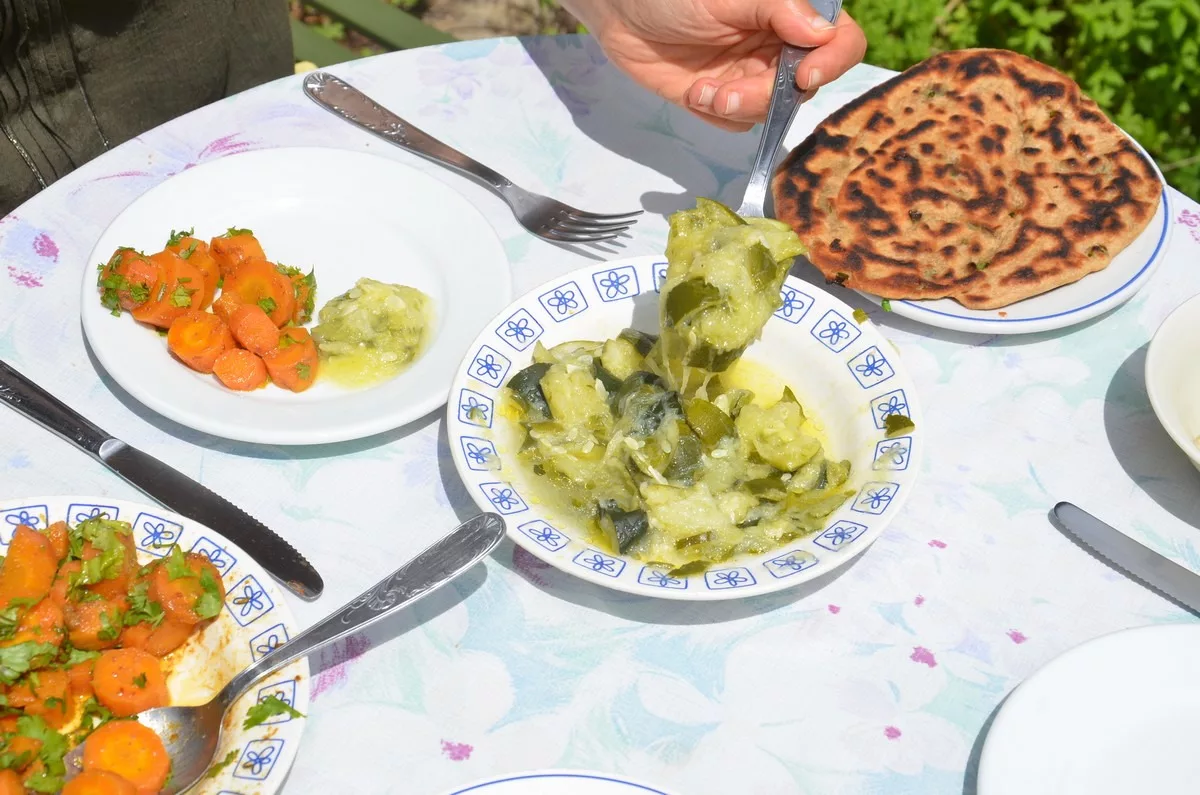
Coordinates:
[982,176]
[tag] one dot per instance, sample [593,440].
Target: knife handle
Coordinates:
[48,411]
[347,102]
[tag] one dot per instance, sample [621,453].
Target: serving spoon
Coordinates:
[786,97]
[192,735]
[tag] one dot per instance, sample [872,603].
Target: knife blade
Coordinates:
[1132,558]
[168,486]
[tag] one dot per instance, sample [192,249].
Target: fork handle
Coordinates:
[346,101]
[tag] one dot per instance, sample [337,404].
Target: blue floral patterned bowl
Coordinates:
[253,621]
[845,374]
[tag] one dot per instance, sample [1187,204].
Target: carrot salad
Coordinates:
[225,308]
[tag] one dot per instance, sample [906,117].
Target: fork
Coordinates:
[786,97]
[543,216]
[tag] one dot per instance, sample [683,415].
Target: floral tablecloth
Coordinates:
[879,681]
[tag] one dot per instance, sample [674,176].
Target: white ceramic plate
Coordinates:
[1172,378]
[254,621]
[1114,716]
[349,215]
[558,782]
[846,375]
[1068,305]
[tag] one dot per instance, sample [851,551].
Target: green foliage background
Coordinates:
[1139,59]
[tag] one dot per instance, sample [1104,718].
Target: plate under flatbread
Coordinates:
[978,175]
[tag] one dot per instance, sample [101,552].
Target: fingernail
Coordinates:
[733,103]
[814,78]
[706,95]
[819,22]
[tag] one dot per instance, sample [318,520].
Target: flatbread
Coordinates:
[978,175]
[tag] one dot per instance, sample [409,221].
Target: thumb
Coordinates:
[794,21]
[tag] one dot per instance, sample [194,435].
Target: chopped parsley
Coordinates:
[76,656]
[109,629]
[177,237]
[208,603]
[190,250]
[142,609]
[54,702]
[286,341]
[304,287]
[266,709]
[886,304]
[303,370]
[9,618]
[229,759]
[93,716]
[139,292]
[266,304]
[176,564]
[54,747]
[181,296]
[19,659]
[233,231]
[896,424]
[140,680]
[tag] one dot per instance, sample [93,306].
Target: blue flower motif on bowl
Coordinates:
[285,691]
[258,759]
[268,640]
[722,579]
[155,534]
[248,601]
[870,368]
[790,563]
[795,305]
[893,454]
[839,534]
[545,535]
[835,332]
[660,275]
[519,330]
[475,408]
[80,512]
[215,554]
[490,366]
[564,301]
[875,497]
[503,497]
[659,578]
[32,516]
[884,406]
[598,562]
[617,283]
[480,454]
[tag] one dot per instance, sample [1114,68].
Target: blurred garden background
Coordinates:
[1139,59]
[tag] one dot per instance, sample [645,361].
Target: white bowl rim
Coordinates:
[1162,338]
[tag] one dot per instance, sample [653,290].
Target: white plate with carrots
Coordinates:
[109,608]
[256,243]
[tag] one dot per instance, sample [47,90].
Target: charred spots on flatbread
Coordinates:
[977,66]
[913,132]
[1037,89]
[869,216]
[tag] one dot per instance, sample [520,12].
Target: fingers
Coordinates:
[828,63]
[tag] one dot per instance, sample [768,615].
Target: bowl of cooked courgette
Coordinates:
[696,426]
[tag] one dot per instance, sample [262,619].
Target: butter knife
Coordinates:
[168,486]
[786,98]
[1133,559]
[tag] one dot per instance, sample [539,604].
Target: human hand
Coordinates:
[717,58]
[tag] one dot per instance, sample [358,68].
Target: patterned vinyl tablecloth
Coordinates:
[879,681]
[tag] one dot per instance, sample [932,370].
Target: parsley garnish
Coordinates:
[139,292]
[142,608]
[53,748]
[77,656]
[229,759]
[177,237]
[109,629]
[190,250]
[233,231]
[266,709]
[208,604]
[176,564]
[140,680]
[15,661]
[286,341]
[182,296]
[54,702]
[9,618]
[303,370]
[886,304]
[266,304]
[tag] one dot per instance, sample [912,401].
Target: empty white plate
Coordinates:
[345,214]
[558,782]
[1115,716]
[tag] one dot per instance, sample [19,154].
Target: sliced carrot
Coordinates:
[223,307]
[197,338]
[196,252]
[304,287]
[130,750]
[79,679]
[181,289]
[98,782]
[60,539]
[256,281]
[253,329]
[95,624]
[235,247]
[43,623]
[179,595]
[129,681]
[168,636]
[128,280]
[28,570]
[10,783]
[135,637]
[115,586]
[240,369]
[293,365]
[62,582]
[44,694]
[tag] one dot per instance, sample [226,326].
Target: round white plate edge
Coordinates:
[372,425]
[557,773]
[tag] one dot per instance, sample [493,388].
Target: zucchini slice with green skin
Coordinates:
[689,568]
[708,422]
[686,459]
[620,528]
[611,383]
[764,270]
[772,488]
[526,387]
[687,298]
[640,340]
[713,359]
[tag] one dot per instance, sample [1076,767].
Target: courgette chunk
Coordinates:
[526,388]
[620,528]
